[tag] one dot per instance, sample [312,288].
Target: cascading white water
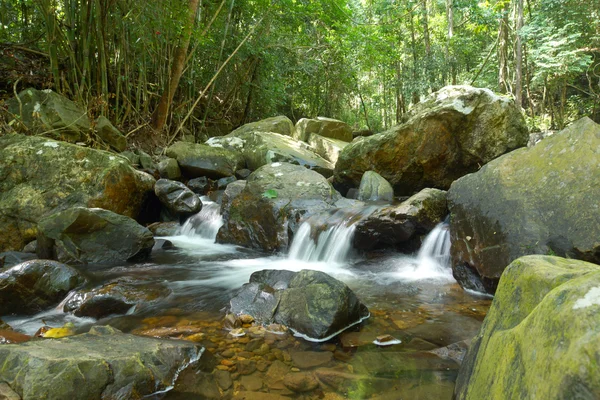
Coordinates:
[332,240]
[206,223]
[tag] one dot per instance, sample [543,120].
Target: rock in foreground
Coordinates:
[312,303]
[101,364]
[452,133]
[36,285]
[40,176]
[93,235]
[538,200]
[541,337]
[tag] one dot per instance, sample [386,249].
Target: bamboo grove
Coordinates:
[205,66]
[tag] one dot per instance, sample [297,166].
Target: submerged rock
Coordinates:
[397,225]
[538,200]
[258,216]
[101,364]
[116,297]
[540,338]
[311,303]
[42,176]
[36,285]
[198,160]
[93,235]
[177,197]
[452,133]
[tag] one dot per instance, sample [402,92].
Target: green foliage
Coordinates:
[270,194]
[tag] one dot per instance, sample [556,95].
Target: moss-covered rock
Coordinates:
[327,148]
[198,160]
[538,200]
[541,337]
[262,148]
[259,215]
[101,364]
[374,187]
[93,235]
[280,124]
[324,127]
[39,176]
[453,132]
[36,285]
[311,303]
[396,226]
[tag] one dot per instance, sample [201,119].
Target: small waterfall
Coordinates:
[206,223]
[436,246]
[328,240]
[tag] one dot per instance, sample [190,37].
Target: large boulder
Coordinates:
[198,160]
[325,127]
[101,364]
[538,200]
[274,194]
[452,133]
[39,176]
[397,225]
[47,111]
[280,124]
[261,148]
[327,148]
[313,304]
[93,235]
[36,285]
[541,337]
[177,197]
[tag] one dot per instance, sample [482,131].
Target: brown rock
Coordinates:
[252,382]
[246,367]
[300,381]
[275,374]
[310,359]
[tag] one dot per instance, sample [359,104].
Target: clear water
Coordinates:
[412,298]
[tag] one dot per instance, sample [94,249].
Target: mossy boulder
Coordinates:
[312,303]
[541,337]
[538,200]
[198,160]
[36,285]
[40,176]
[48,112]
[280,124]
[93,235]
[273,195]
[327,148]
[262,148]
[398,225]
[101,364]
[452,133]
[324,127]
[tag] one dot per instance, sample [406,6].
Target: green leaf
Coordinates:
[270,194]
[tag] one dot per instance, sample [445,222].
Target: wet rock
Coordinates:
[12,258]
[554,187]
[394,226]
[4,326]
[300,381]
[198,160]
[30,247]
[6,393]
[540,338]
[168,168]
[275,374]
[224,182]
[263,148]
[337,379]
[42,176]
[357,339]
[311,303]
[252,382]
[192,384]
[258,216]
[325,127]
[85,367]
[223,379]
[452,133]
[246,367]
[469,278]
[310,359]
[280,124]
[374,187]
[455,351]
[93,235]
[177,197]
[201,186]
[115,297]
[8,336]
[242,173]
[244,395]
[36,285]
[164,228]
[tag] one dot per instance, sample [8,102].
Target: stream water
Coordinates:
[412,298]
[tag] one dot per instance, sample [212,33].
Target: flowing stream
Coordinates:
[412,298]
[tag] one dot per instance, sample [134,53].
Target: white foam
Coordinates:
[310,339]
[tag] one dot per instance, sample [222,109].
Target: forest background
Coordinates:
[203,67]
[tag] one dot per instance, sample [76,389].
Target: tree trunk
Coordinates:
[450,58]
[503,51]
[519,56]
[159,116]
[415,94]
